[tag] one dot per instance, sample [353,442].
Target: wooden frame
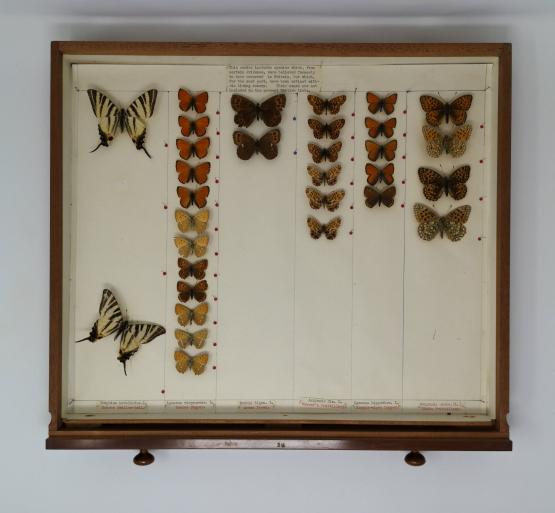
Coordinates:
[282,434]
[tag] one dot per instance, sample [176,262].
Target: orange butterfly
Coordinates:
[376,128]
[386,151]
[376,104]
[384,197]
[188,101]
[376,175]
[436,110]
[188,291]
[199,196]
[187,173]
[193,126]
[322,154]
[197,149]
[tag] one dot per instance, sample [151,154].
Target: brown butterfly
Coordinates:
[321,105]
[376,128]
[431,223]
[194,126]
[376,103]
[187,222]
[188,197]
[194,269]
[269,111]
[187,173]
[317,199]
[328,229]
[247,146]
[188,149]
[184,362]
[322,154]
[186,315]
[188,291]
[455,144]
[436,110]
[197,339]
[189,101]
[375,175]
[436,184]
[321,130]
[186,247]
[377,151]
[320,177]
[384,197]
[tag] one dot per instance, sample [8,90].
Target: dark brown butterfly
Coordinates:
[326,130]
[187,196]
[436,110]
[376,103]
[377,151]
[188,149]
[321,105]
[375,175]
[194,126]
[320,177]
[187,173]
[194,269]
[247,146]
[436,184]
[322,154]
[188,291]
[376,128]
[269,111]
[188,101]
[329,229]
[384,197]
[451,224]
[318,199]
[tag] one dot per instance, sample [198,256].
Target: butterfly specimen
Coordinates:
[321,130]
[436,184]
[376,128]
[197,339]
[112,118]
[437,143]
[184,362]
[187,173]
[188,291]
[269,111]
[328,229]
[186,316]
[131,334]
[247,146]
[385,104]
[384,197]
[320,177]
[189,101]
[322,154]
[195,269]
[321,105]
[187,247]
[431,223]
[187,222]
[188,197]
[377,151]
[188,149]
[194,126]
[317,199]
[436,110]
[375,175]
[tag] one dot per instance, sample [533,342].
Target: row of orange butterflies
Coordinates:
[188,222]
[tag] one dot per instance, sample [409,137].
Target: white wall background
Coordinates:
[33,480]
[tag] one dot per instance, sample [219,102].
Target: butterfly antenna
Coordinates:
[83,339]
[99,145]
[147,153]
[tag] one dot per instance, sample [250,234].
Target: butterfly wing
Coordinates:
[246,145]
[434,109]
[199,314]
[318,104]
[332,153]
[201,220]
[184,220]
[332,174]
[184,246]
[318,128]
[333,200]
[456,182]
[200,245]
[457,146]
[182,361]
[201,147]
[184,338]
[459,107]
[201,125]
[133,336]
[429,222]
[389,149]
[200,196]
[107,114]
[334,128]
[388,104]
[373,149]
[186,125]
[268,144]
[454,223]
[316,174]
[316,152]
[432,182]
[200,101]
[109,319]
[185,148]
[270,110]
[434,141]
[185,99]
[387,174]
[388,196]
[184,171]
[373,126]
[388,127]
[199,362]
[373,174]
[136,115]
[315,198]
[245,110]
[185,196]
[334,104]
[184,314]
[315,227]
[374,102]
[372,196]
[331,228]
[201,172]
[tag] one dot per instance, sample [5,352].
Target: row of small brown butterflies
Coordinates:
[186,316]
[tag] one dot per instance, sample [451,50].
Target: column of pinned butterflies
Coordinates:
[193,240]
[380,148]
[325,128]
[435,183]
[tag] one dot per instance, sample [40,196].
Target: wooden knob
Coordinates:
[415,459]
[143,458]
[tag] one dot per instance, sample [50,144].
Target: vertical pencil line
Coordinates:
[295,182]
[404,250]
